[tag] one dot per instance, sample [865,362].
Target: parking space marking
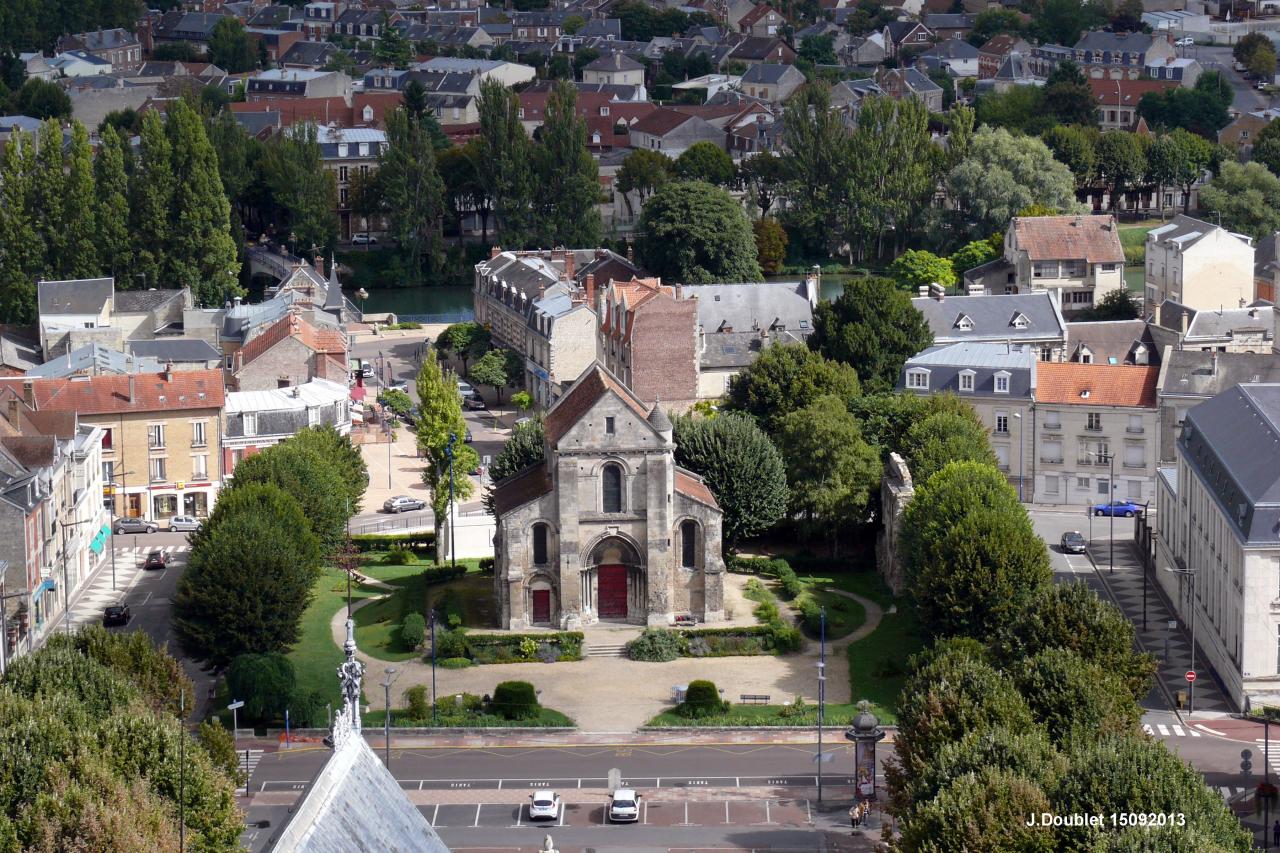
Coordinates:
[477,820]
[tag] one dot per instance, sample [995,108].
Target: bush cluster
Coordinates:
[508,648]
[702,699]
[515,700]
[656,644]
[400,557]
[412,629]
[665,644]
[422,543]
[775,568]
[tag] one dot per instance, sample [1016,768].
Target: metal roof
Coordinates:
[317,392]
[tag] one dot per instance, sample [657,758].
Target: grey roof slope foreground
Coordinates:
[355,804]
[1233,444]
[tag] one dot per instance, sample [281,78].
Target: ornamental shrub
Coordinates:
[412,630]
[400,557]
[702,699]
[454,663]
[451,644]
[419,706]
[515,700]
[656,644]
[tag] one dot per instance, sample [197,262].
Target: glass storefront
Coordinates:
[195,504]
[164,506]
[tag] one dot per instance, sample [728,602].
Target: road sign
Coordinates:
[1246,754]
[1191,675]
[236,705]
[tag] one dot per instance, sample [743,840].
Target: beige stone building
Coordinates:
[1079,257]
[1199,265]
[608,527]
[161,435]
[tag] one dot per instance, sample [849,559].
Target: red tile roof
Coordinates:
[690,485]
[518,489]
[1095,239]
[660,122]
[1129,93]
[96,395]
[316,339]
[589,388]
[293,110]
[637,292]
[1075,384]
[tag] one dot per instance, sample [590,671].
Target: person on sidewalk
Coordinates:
[1275,834]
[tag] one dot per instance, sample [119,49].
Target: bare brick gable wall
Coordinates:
[664,358]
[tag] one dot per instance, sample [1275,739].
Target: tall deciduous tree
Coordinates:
[567,215]
[490,369]
[311,478]
[741,467]
[202,253]
[303,192]
[48,187]
[1074,147]
[1180,158]
[506,171]
[1075,699]
[150,203]
[525,447]
[1247,197]
[230,48]
[439,418]
[815,136]
[21,257]
[412,191]
[1121,162]
[705,161]
[111,205]
[832,472]
[972,557]
[942,438]
[642,172]
[764,175]
[1004,174]
[872,327]
[80,241]
[787,377]
[695,233]
[338,451]
[917,268]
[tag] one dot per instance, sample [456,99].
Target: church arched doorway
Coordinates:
[614,584]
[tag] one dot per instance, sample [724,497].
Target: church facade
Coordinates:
[608,527]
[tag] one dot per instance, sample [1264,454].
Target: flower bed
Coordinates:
[513,648]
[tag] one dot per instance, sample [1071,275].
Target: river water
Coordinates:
[417,301]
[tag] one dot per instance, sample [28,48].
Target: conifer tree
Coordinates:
[569,216]
[20,254]
[111,204]
[79,243]
[48,183]
[201,251]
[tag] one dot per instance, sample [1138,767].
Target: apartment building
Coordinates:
[1219,519]
[648,338]
[257,420]
[561,342]
[1199,265]
[999,381]
[1188,377]
[1032,319]
[1079,258]
[1085,415]
[1250,329]
[160,435]
[348,152]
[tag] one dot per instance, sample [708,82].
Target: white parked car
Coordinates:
[545,805]
[186,523]
[363,239]
[465,389]
[1186,41]
[624,806]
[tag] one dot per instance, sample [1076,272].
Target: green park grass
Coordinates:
[316,657]
[878,662]
[378,624]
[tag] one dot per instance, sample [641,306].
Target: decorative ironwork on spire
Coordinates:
[351,675]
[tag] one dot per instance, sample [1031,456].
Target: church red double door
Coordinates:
[541,606]
[611,595]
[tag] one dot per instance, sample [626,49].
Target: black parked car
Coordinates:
[155,560]
[116,614]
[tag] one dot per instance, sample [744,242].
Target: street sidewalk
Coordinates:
[1171,648]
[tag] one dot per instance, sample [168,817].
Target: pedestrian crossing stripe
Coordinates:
[1171,730]
[248,762]
[1270,751]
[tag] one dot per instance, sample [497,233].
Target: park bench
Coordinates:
[754,698]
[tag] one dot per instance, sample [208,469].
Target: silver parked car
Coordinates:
[402,503]
[184,523]
[134,525]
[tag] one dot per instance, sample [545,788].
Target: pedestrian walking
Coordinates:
[1275,834]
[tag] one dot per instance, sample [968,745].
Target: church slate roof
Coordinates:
[581,396]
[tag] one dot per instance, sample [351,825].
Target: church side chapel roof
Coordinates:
[518,489]
[691,485]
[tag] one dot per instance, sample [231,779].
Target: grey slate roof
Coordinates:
[1105,41]
[952,48]
[768,73]
[76,296]
[614,62]
[1232,443]
[731,349]
[1222,323]
[1186,231]
[1112,342]
[177,350]
[96,360]
[984,360]
[140,301]
[992,317]
[759,305]
[1195,373]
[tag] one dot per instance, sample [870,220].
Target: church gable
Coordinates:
[580,416]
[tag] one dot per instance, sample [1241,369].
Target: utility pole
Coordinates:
[431,615]
[822,689]
[182,771]
[453,548]
[388,679]
[1188,573]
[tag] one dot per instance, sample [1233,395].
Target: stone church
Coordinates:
[608,528]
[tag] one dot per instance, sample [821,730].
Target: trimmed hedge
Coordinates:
[441,574]
[702,699]
[412,629]
[423,541]
[514,700]
[510,648]
[773,638]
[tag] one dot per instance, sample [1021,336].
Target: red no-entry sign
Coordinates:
[1191,675]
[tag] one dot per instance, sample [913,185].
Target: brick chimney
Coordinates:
[29,393]
[568,265]
[494,251]
[589,284]
[167,375]
[318,263]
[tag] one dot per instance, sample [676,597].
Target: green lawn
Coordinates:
[878,662]
[476,591]
[1135,233]
[378,624]
[547,718]
[836,714]
[316,657]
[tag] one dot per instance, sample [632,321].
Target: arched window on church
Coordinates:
[689,544]
[540,544]
[611,492]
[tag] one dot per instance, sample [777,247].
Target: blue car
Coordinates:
[1126,508]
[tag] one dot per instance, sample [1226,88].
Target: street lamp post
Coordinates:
[1110,459]
[387,681]
[66,584]
[1191,703]
[1021,452]
[431,616]
[362,295]
[822,689]
[453,548]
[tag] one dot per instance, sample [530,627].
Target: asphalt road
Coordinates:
[1218,58]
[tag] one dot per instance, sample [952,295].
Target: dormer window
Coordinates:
[966,380]
[342,149]
[918,378]
[367,114]
[1020,321]
[1002,382]
[964,323]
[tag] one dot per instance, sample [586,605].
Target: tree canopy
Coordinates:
[787,377]
[695,233]
[872,327]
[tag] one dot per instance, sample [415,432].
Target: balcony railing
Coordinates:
[1092,428]
[1128,464]
[1135,430]
[1051,461]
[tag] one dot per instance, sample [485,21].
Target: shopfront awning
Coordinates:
[47,583]
[99,542]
